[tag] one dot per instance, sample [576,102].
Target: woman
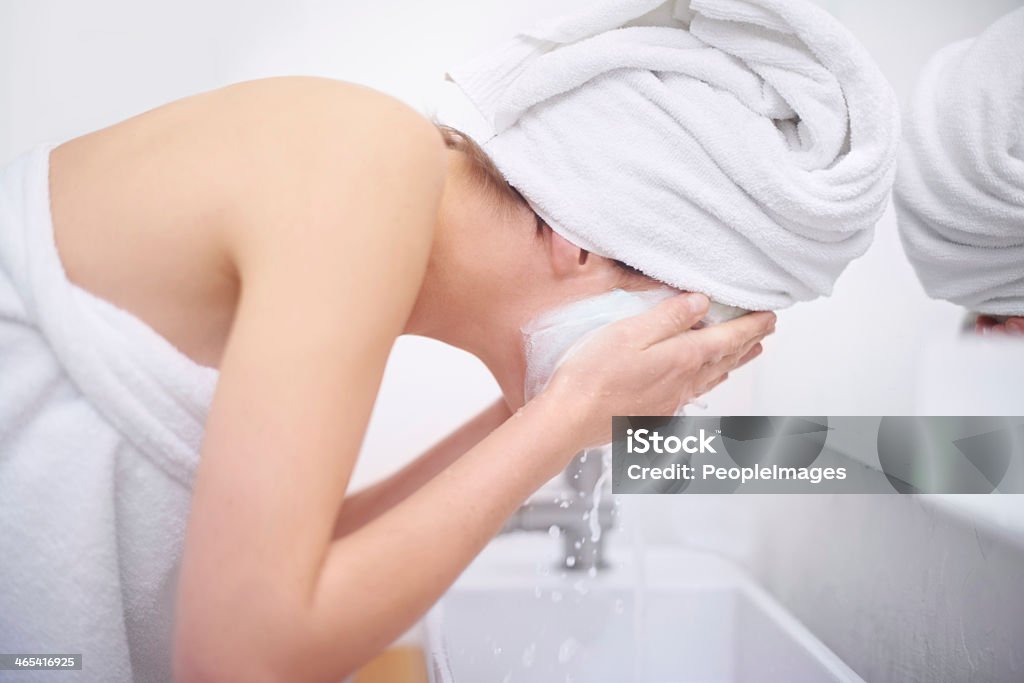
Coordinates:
[285,232]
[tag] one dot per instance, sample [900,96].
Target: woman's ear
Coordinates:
[566,258]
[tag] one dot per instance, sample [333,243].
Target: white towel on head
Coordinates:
[960,186]
[746,155]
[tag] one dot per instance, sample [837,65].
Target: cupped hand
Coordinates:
[651,364]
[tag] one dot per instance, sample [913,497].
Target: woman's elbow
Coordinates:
[226,655]
[192,666]
[216,659]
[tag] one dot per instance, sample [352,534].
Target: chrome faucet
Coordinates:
[571,513]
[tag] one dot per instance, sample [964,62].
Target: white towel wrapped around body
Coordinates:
[101,421]
[740,148]
[960,186]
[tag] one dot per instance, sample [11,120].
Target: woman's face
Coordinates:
[493,269]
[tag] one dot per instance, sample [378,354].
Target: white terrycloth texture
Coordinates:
[100,426]
[747,155]
[960,186]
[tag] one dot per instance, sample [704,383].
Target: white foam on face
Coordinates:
[720,313]
[553,336]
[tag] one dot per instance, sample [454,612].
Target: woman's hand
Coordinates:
[651,364]
[988,325]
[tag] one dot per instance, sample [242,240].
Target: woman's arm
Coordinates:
[336,196]
[266,593]
[360,508]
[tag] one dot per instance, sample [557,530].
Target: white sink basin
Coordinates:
[511,617]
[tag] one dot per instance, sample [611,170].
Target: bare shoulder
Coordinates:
[305,114]
[294,175]
[300,90]
[341,188]
[331,149]
[325,109]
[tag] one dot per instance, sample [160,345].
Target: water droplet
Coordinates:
[567,650]
[592,572]
[530,655]
[570,561]
[553,531]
